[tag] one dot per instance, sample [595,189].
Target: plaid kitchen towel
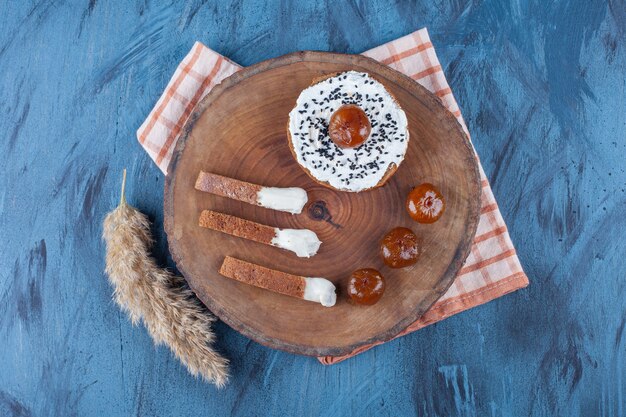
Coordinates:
[492,268]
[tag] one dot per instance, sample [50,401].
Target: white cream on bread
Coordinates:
[302,242]
[291,200]
[359,168]
[320,290]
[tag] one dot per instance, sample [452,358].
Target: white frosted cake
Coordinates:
[328,112]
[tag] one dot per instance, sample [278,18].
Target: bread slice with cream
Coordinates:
[364,167]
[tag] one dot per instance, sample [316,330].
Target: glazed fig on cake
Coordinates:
[348,132]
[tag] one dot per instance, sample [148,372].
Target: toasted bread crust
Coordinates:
[237,226]
[262,277]
[228,187]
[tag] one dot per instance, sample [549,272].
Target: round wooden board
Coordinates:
[239,130]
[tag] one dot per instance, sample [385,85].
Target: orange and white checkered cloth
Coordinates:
[492,268]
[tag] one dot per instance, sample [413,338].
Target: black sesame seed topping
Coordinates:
[320,153]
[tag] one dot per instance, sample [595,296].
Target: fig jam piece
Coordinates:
[400,248]
[425,203]
[366,286]
[349,126]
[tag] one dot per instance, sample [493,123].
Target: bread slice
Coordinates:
[262,277]
[318,290]
[391,169]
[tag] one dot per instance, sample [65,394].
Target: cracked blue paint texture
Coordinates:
[542,86]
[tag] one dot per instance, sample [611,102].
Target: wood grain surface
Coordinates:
[541,86]
[238,130]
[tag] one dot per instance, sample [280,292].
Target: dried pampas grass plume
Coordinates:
[167,307]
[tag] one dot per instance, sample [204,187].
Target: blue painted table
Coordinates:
[542,87]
